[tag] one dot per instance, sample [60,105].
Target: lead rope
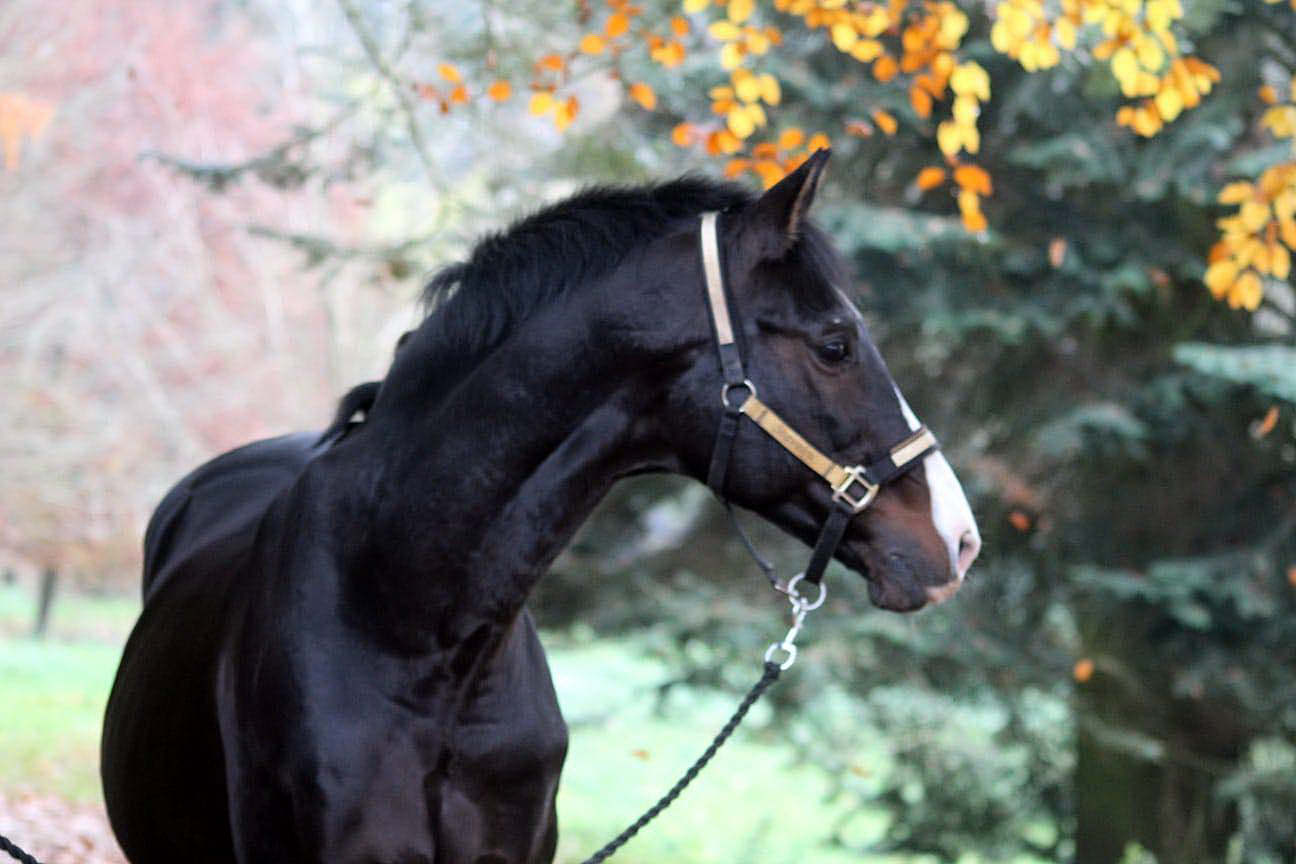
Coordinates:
[16,851]
[773,668]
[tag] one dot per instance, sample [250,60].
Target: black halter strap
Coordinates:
[853,487]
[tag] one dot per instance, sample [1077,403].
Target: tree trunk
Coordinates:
[45,602]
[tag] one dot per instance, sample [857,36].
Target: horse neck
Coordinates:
[478,493]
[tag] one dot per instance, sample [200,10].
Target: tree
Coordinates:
[1043,202]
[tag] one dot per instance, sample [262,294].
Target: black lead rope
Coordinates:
[770,675]
[16,851]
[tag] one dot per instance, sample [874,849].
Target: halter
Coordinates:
[853,487]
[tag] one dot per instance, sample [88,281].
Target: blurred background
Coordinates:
[1070,222]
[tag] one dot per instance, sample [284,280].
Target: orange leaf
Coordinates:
[565,113]
[1291,575]
[930,177]
[921,101]
[1083,670]
[644,95]
[1020,521]
[973,177]
[736,167]
[554,62]
[1267,424]
[790,138]
[459,95]
[859,128]
[500,91]
[680,25]
[683,135]
[818,141]
[1268,94]
[1057,250]
[885,68]
[592,43]
[885,121]
[616,25]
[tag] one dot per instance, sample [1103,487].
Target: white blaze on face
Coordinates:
[951,513]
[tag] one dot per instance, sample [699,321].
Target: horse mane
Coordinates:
[474,305]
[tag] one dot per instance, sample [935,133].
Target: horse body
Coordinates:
[334,663]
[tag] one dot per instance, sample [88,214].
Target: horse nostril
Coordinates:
[969,548]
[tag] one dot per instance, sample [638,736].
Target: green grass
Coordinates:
[754,804]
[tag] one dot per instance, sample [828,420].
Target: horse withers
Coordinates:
[334,662]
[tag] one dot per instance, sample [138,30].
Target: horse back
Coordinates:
[221,500]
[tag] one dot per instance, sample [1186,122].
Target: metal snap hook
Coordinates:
[745,384]
[799,600]
[788,647]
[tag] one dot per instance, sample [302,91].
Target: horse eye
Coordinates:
[833,351]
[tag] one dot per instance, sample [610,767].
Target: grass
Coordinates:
[754,804]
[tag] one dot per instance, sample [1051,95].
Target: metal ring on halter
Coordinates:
[745,384]
[795,596]
[788,647]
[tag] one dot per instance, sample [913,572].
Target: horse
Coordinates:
[334,661]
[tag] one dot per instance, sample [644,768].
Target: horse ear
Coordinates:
[774,223]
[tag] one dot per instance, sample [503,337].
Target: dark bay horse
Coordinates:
[334,663]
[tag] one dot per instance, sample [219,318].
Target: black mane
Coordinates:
[474,305]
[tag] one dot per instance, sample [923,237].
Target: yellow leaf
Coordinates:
[500,91]
[693,7]
[1236,193]
[843,36]
[542,102]
[592,43]
[731,55]
[746,86]
[739,10]
[974,221]
[770,90]
[969,79]
[449,73]
[1169,103]
[1220,276]
[949,138]
[818,141]
[1279,261]
[1246,291]
[644,95]
[724,31]
[566,113]
[885,121]
[1287,230]
[867,50]
[740,122]
[1254,215]
[930,177]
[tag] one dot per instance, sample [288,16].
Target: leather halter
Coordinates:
[853,487]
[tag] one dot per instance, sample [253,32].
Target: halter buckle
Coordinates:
[842,491]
